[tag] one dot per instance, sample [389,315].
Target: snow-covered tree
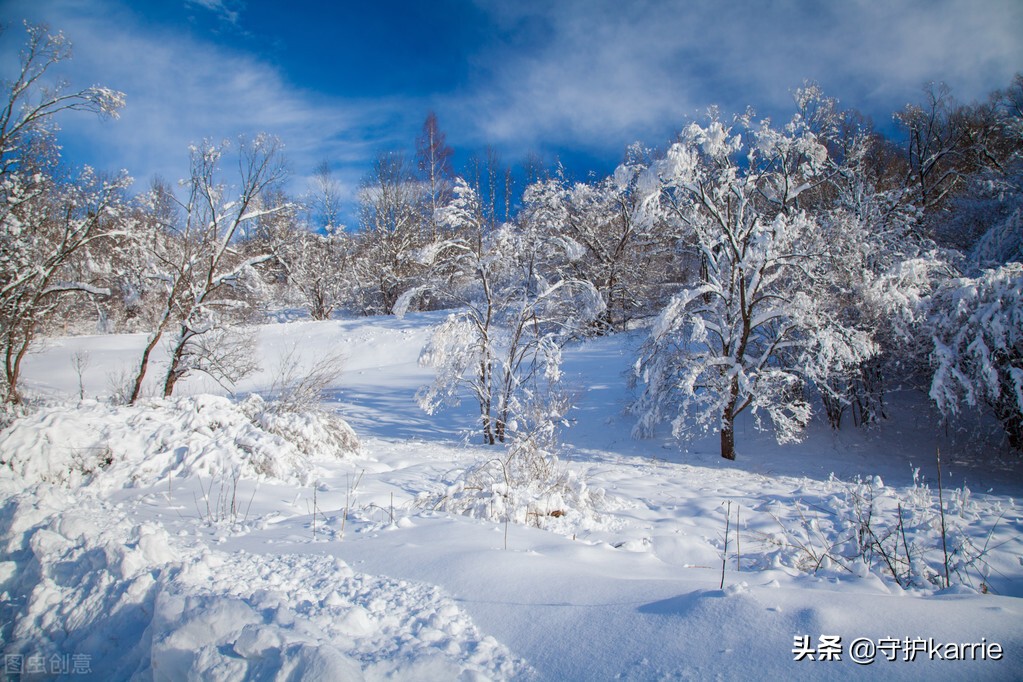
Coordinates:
[49,224]
[390,234]
[31,102]
[935,137]
[758,325]
[503,344]
[871,230]
[978,347]
[631,259]
[318,270]
[50,238]
[311,264]
[201,275]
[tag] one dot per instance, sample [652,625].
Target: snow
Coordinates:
[93,441]
[197,538]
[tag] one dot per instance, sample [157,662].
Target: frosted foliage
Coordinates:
[978,346]
[900,295]
[518,305]
[1002,243]
[453,348]
[760,325]
[597,232]
[462,210]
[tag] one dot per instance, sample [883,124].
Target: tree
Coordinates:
[934,139]
[756,327]
[433,158]
[947,143]
[503,345]
[45,229]
[628,257]
[865,213]
[30,105]
[311,251]
[318,269]
[324,203]
[988,215]
[201,274]
[390,236]
[978,347]
[46,222]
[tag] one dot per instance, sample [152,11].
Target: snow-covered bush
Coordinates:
[532,489]
[314,432]
[913,537]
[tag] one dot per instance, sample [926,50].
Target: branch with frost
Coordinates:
[83,287]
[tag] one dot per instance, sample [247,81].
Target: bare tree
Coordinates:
[391,232]
[45,222]
[433,157]
[202,274]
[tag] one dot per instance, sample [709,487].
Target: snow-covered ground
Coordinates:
[209,538]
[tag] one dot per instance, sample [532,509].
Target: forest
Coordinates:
[786,268]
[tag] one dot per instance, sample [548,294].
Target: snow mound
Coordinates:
[314,433]
[545,496]
[115,446]
[128,601]
[79,580]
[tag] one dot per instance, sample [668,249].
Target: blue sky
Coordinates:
[572,79]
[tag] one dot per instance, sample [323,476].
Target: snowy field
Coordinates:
[213,538]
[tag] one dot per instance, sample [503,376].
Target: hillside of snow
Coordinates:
[217,537]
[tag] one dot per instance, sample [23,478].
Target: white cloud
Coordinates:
[222,9]
[181,90]
[592,75]
[605,72]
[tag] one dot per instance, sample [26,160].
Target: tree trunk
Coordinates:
[136,391]
[15,353]
[488,427]
[485,401]
[168,384]
[499,430]
[173,373]
[728,423]
[728,438]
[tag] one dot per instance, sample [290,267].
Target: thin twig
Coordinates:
[941,509]
[724,555]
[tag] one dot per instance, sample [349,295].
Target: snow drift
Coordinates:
[204,435]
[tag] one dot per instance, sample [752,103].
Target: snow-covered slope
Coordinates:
[197,538]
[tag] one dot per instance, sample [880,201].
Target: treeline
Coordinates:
[779,267]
